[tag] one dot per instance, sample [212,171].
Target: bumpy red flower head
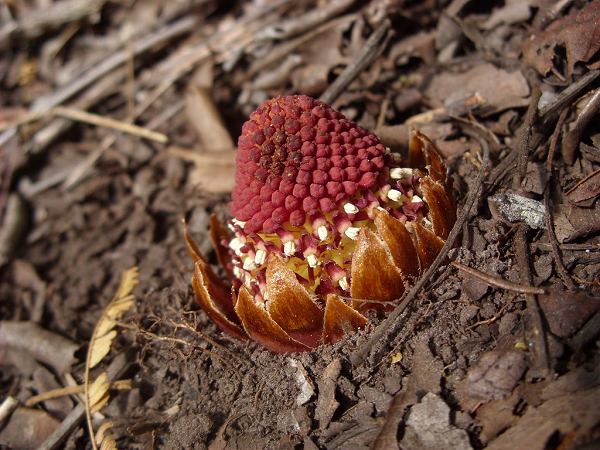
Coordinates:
[297,156]
[322,214]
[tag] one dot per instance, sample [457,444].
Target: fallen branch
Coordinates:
[500,283]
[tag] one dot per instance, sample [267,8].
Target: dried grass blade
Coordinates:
[96,395]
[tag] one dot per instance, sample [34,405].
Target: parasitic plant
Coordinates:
[326,225]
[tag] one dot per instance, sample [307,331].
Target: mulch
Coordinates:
[119,119]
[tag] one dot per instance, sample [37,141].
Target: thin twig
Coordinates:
[72,390]
[52,16]
[547,192]
[524,139]
[278,53]
[371,50]
[560,267]
[95,119]
[572,137]
[568,96]
[305,22]
[390,325]
[492,319]
[500,283]
[540,366]
[233,39]
[546,117]
[141,45]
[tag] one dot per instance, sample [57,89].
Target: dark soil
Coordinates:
[471,363]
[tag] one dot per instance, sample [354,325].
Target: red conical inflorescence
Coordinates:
[296,156]
[327,224]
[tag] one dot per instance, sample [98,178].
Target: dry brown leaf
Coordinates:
[570,219]
[497,415]
[574,414]
[323,52]
[214,172]
[204,116]
[493,378]
[578,34]
[387,437]
[495,89]
[587,191]
[566,312]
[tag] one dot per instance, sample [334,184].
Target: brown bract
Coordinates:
[284,312]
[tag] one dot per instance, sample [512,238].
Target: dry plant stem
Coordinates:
[72,390]
[508,161]
[54,441]
[524,139]
[546,118]
[499,283]
[574,247]
[195,331]
[285,48]
[549,218]
[81,169]
[7,407]
[583,180]
[572,138]
[237,37]
[534,329]
[554,142]
[586,335]
[107,74]
[35,23]
[141,45]
[95,119]
[46,135]
[100,73]
[305,22]
[390,325]
[371,50]
[562,271]
[547,15]
[493,319]
[567,97]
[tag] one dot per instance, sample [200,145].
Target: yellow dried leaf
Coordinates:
[122,301]
[120,306]
[98,389]
[121,385]
[104,326]
[108,444]
[101,435]
[101,403]
[101,347]
[96,395]
[128,282]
